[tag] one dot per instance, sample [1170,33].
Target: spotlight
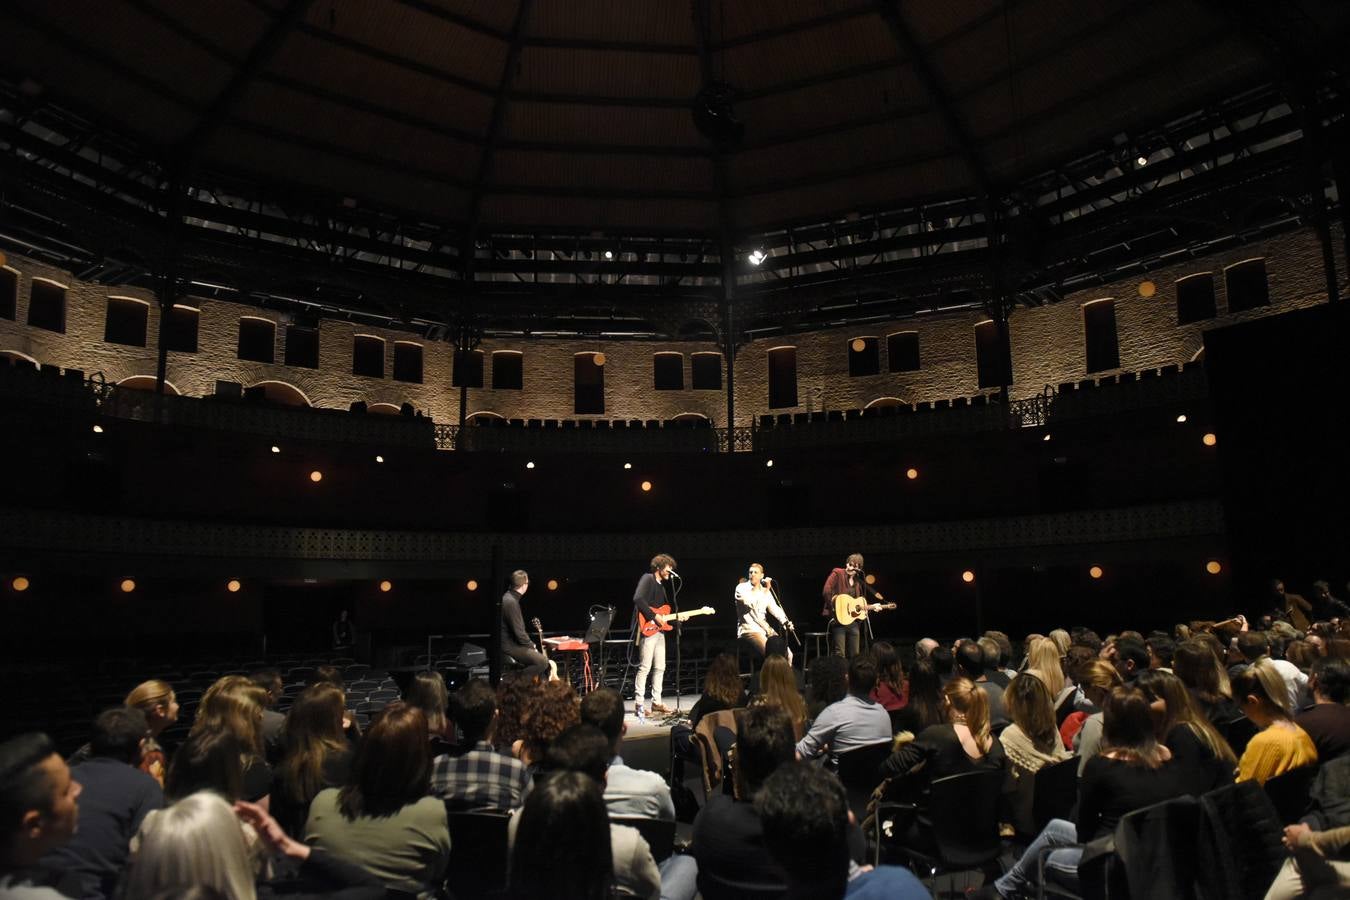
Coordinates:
[628,465]
[1095,571]
[276,449]
[386,586]
[1147,289]
[609,254]
[128,585]
[1213,567]
[911,474]
[530,464]
[20,584]
[98,429]
[858,345]
[1141,161]
[552,584]
[768,464]
[598,359]
[1210,439]
[757,256]
[1181,419]
[646,486]
[1046,438]
[316,476]
[967,576]
[233,586]
[379,459]
[871,579]
[471,585]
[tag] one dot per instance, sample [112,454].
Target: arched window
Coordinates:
[864,356]
[125,321]
[902,351]
[368,356]
[146,383]
[1246,285]
[1195,298]
[782,377]
[668,371]
[257,339]
[282,393]
[1099,335]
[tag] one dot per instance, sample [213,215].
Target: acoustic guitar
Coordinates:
[648,627]
[848,610]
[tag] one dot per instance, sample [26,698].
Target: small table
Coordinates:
[574,645]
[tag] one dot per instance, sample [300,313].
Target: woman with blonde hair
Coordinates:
[1196,663]
[965,743]
[234,706]
[778,686]
[1032,740]
[1280,745]
[1193,740]
[198,841]
[157,700]
[1099,678]
[1044,658]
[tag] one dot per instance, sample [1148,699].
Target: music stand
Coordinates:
[597,631]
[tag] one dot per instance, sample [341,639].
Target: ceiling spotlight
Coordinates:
[1210,439]
[628,465]
[530,464]
[598,359]
[128,585]
[98,429]
[757,256]
[768,464]
[1181,419]
[471,585]
[911,474]
[233,585]
[609,254]
[1141,161]
[316,476]
[1046,438]
[1095,571]
[20,584]
[646,486]
[386,586]
[1213,567]
[379,459]
[871,579]
[967,576]
[1147,289]
[552,584]
[858,345]
[276,449]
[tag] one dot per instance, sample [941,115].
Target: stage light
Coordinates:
[1213,567]
[967,576]
[1141,161]
[552,584]
[628,465]
[128,585]
[530,464]
[316,476]
[757,256]
[1095,571]
[609,254]
[1147,289]
[598,359]
[1046,438]
[646,486]
[471,585]
[1181,419]
[233,586]
[911,474]
[768,464]
[871,579]
[379,459]
[20,584]
[386,586]
[276,449]
[1210,439]
[98,429]
[858,345]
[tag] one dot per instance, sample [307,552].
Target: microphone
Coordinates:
[766,579]
[675,574]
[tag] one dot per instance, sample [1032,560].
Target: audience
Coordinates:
[826,683]
[1101,677]
[207,761]
[115,797]
[273,722]
[778,686]
[234,706]
[1032,740]
[428,693]
[482,776]
[383,818]
[1327,721]
[628,791]
[317,755]
[39,810]
[1255,647]
[1192,738]
[156,699]
[550,709]
[1280,745]
[562,848]
[970,665]
[923,706]
[890,691]
[1196,664]
[853,722]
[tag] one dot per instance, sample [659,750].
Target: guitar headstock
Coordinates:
[538,626]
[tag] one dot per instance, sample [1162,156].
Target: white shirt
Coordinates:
[752,606]
[1295,682]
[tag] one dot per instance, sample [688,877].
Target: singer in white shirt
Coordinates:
[754,602]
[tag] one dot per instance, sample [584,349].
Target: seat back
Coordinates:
[479,854]
[658,833]
[1157,848]
[1240,847]
[1238,732]
[964,812]
[713,886]
[1055,792]
[858,770]
[705,738]
[1288,793]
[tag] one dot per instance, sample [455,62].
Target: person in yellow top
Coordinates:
[1281,745]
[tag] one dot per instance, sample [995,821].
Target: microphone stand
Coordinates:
[792,630]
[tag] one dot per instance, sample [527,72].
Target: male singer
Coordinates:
[754,602]
[845,639]
[651,593]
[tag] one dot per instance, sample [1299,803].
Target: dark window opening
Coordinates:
[468,369]
[668,371]
[257,340]
[125,321]
[706,371]
[588,385]
[866,361]
[368,356]
[993,357]
[178,329]
[782,377]
[408,362]
[9,294]
[1099,333]
[302,347]
[1247,285]
[1195,299]
[47,306]
[902,351]
[508,370]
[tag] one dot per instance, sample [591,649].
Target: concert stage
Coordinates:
[646,745]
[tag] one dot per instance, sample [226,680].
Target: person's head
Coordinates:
[778,684]
[1199,669]
[967,702]
[1043,655]
[196,841]
[603,709]
[1061,639]
[1260,692]
[513,691]
[427,692]
[662,564]
[888,665]
[989,648]
[1253,645]
[862,674]
[520,581]
[582,748]
[206,761]
[1099,679]
[943,662]
[234,704]
[923,647]
[550,709]
[854,563]
[969,660]
[156,699]
[392,767]
[755,573]
[1277,588]
[1330,680]
[1079,657]
[473,707]
[1161,650]
[270,681]
[562,849]
[1032,709]
[1128,727]
[1005,648]
[775,645]
[1321,590]
[804,813]
[120,734]
[764,741]
[38,800]
[722,682]
[827,682]
[313,733]
[1301,654]
[1173,706]
[1131,656]
[328,675]
[925,694]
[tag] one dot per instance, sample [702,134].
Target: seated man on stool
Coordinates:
[516,643]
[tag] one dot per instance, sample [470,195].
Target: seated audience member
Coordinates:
[207,761]
[1005,653]
[38,813]
[923,707]
[1302,654]
[198,842]
[562,842]
[273,722]
[512,692]
[1195,663]
[1100,678]
[778,685]
[351,729]
[115,797]
[1327,721]
[1130,656]
[1046,662]
[234,705]
[582,749]
[483,776]
[1061,639]
[550,709]
[890,691]
[944,663]
[970,665]
[317,756]
[1325,605]
[805,816]
[1132,771]
[428,693]
[1280,745]
[722,690]
[853,722]
[1192,739]
[1031,741]
[1160,651]
[1319,864]
[924,647]
[158,702]
[628,791]
[992,671]
[1255,646]
[826,683]
[964,744]
[382,819]
[728,839]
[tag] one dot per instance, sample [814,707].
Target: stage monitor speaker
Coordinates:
[471,655]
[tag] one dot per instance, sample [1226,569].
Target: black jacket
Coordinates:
[1240,843]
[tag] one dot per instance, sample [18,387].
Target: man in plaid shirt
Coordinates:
[481,777]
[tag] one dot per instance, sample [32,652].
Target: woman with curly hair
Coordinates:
[234,705]
[550,709]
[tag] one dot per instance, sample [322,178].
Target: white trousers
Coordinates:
[653,660]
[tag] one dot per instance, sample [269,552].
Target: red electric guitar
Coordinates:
[647,628]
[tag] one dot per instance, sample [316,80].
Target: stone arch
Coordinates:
[146,383]
[20,356]
[383,409]
[690,417]
[879,402]
[283,393]
[485,414]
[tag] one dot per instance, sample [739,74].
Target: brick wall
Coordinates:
[1047,348]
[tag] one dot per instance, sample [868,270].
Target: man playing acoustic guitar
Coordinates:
[651,591]
[845,639]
